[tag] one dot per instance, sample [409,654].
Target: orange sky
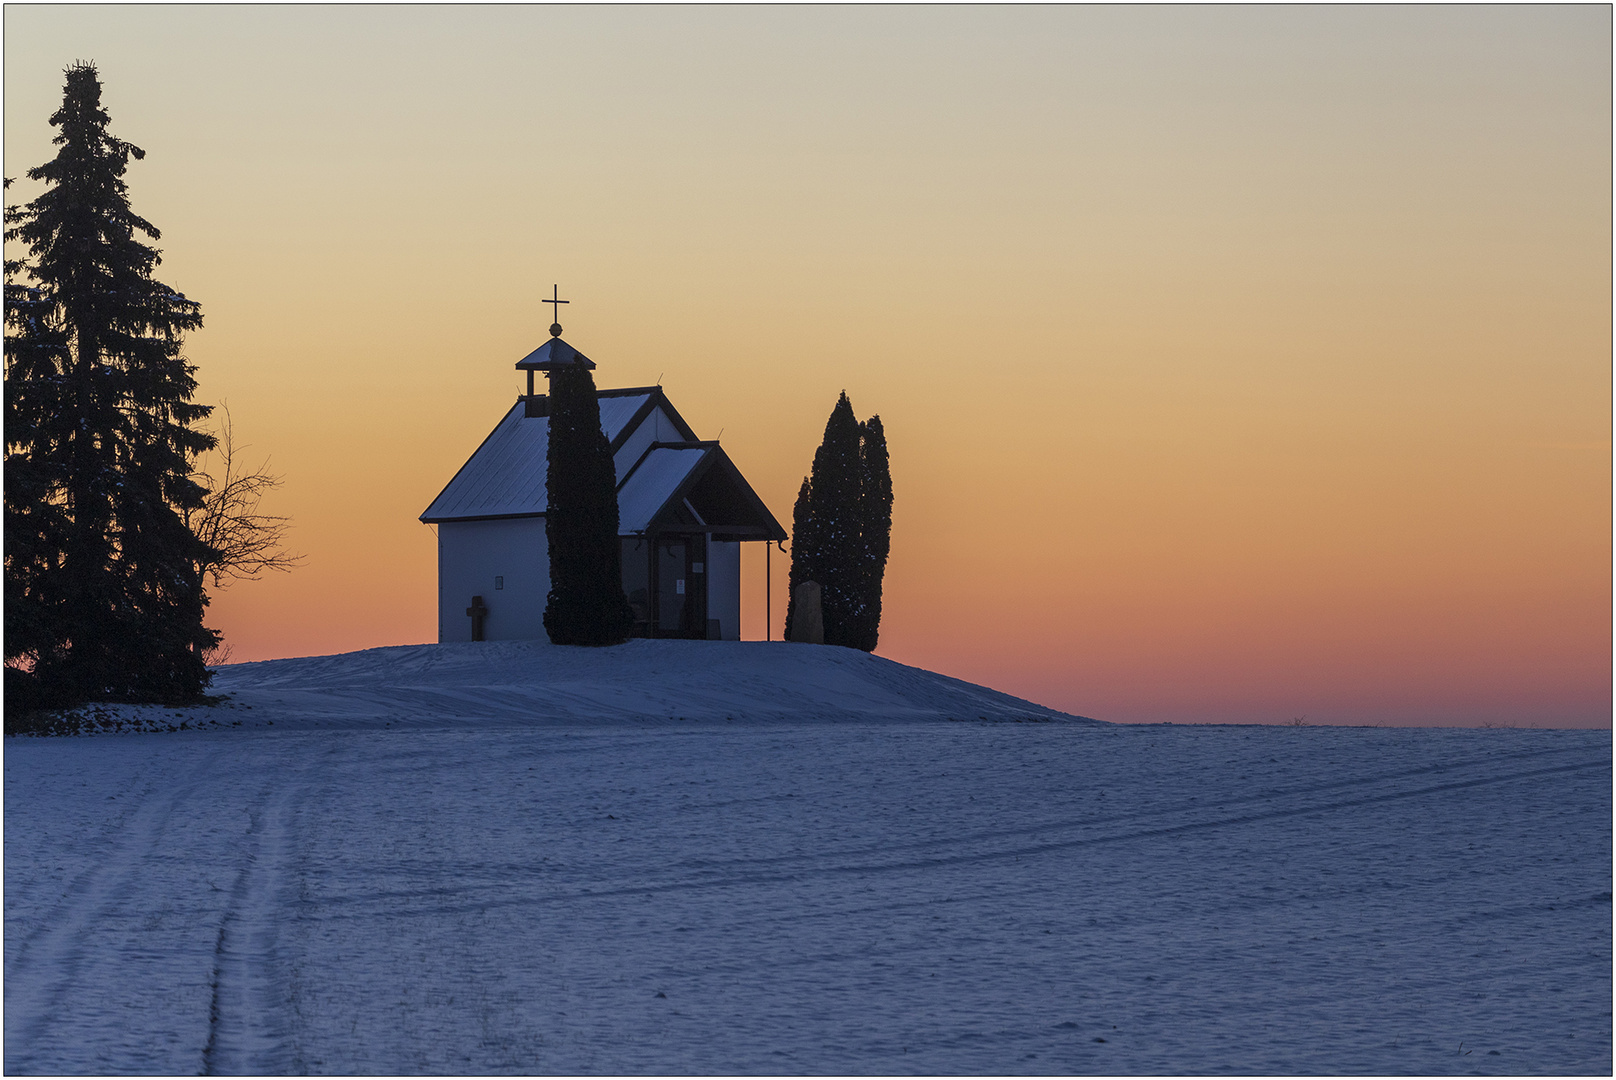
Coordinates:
[1237,364]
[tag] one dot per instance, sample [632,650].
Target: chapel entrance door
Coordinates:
[681,586]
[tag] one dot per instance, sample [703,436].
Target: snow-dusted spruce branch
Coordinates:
[244,543]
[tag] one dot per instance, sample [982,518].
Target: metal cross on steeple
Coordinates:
[555,305]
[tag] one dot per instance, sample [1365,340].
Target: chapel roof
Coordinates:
[658,481]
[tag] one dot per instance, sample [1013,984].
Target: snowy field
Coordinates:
[341,884]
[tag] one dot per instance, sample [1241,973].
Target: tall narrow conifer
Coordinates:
[829,545]
[875,529]
[100,441]
[586,604]
[804,550]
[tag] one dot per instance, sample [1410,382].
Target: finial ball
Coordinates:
[555,329]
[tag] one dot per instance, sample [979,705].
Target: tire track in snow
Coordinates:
[1193,826]
[43,975]
[1171,810]
[720,880]
[250,1015]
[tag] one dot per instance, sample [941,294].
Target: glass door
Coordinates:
[672,585]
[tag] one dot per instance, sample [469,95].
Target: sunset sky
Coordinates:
[1237,364]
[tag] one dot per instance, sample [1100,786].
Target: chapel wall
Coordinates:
[507,563]
[724,588]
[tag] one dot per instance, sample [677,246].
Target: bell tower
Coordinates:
[553,355]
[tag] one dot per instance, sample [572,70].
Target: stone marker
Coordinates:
[808,621]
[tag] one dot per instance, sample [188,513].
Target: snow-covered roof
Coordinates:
[653,482]
[616,413]
[505,476]
[553,354]
[684,483]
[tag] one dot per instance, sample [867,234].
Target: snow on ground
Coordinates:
[885,894]
[522,683]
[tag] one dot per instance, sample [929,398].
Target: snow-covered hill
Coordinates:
[454,860]
[525,682]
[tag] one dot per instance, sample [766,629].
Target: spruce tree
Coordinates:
[36,522]
[875,528]
[99,434]
[586,604]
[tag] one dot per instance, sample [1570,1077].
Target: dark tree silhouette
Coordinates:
[99,435]
[586,605]
[238,540]
[841,525]
[804,549]
[36,520]
[875,528]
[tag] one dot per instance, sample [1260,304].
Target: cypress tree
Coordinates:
[842,528]
[804,548]
[99,434]
[875,527]
[831,551]
[586,604]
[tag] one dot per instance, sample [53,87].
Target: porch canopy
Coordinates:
[692,487]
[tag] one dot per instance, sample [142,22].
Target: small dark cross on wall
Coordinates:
[479,616]
[555,303]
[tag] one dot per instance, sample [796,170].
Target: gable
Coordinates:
[648,488]
[692,487]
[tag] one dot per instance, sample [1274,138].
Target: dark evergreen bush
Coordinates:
[586,605]
[103,596]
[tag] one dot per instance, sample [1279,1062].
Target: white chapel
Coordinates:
[684,510]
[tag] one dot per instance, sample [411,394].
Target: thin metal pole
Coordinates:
[768,617]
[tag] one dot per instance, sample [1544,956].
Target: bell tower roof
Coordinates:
[554,355]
